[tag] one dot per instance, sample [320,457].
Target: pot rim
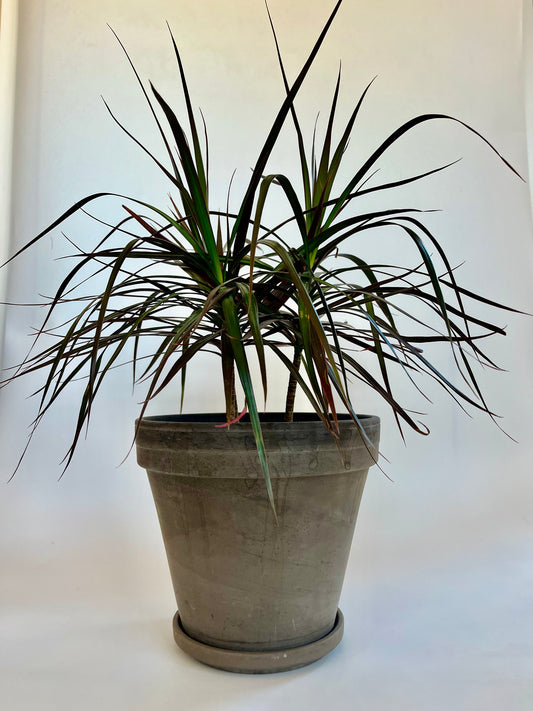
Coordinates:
[192,445]
[267,418]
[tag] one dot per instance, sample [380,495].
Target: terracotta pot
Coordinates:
[254,595]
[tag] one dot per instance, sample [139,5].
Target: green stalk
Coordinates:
[293,384]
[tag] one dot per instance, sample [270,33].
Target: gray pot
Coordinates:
[254,595]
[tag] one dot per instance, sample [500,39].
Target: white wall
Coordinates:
[8,46]
[465,487]
[528,80]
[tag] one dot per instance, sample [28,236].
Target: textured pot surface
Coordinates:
[243,581]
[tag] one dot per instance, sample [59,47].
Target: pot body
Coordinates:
[244,581]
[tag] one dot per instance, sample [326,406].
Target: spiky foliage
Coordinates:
[189,279]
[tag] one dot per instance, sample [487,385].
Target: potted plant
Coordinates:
[258,510]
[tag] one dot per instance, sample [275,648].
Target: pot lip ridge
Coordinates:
[192,446]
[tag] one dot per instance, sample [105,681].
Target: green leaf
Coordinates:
[252,312]
[198,197]
[234,333]
[241,224]
[192,124]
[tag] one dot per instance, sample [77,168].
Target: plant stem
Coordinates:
[291,389]
[228,371]
[234,408]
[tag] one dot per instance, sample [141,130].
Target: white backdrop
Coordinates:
[437,599]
